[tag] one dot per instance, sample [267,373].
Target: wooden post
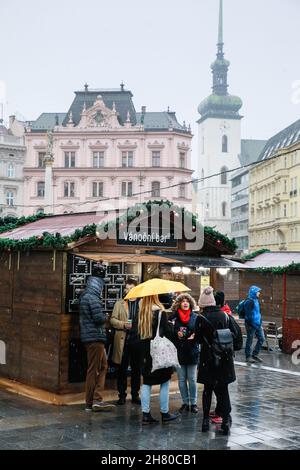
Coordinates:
[213,277]
[18,262]
[54,260]
[9,261]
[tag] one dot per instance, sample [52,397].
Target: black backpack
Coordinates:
[221,347]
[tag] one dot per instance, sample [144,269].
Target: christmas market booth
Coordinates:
[45,261]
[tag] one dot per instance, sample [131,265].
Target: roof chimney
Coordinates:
[122,86]
[143,109]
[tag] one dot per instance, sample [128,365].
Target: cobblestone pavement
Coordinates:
[266,415]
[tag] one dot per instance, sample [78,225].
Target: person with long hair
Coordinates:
[147,328]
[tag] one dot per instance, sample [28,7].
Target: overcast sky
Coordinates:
[161,49]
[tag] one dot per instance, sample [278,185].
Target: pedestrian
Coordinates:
[127,344]
[216,375]
[184,318]
[93,335]
[220,302]
[147,327]
[253,325]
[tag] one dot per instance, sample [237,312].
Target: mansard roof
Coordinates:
[250,150]
[288,136]
[46,121]
[154,121]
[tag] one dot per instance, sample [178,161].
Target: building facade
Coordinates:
[219,144]
[12,156]
[275,194]
[105,154]
[250,151]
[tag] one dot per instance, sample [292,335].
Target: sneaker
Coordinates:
[167,417]
[217,420]
[250,360]
[148,419]
[257,359]
[88,408]
[194,409]
[184,408]
[102,406]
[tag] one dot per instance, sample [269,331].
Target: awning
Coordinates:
[125,257]
[160,257]
[202,261]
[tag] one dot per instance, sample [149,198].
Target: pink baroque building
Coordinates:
[102,153]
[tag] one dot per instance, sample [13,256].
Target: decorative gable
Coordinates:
[99,116]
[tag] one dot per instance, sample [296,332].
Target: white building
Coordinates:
[12,155]
[219,144]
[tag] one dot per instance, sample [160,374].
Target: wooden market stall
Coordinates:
[44,264]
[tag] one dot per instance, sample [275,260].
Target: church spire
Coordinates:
[220,66]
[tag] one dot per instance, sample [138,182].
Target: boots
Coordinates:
[225,426]
[205,425]
[166,417]
[148,419]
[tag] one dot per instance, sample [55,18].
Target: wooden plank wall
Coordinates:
[31,323]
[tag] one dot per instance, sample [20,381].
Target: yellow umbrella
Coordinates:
[156,286]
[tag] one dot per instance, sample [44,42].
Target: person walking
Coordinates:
[147,328]
[253,325]
[93,335]
[216,375]
[184,318]
[127,344]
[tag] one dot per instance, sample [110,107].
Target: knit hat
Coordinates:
[207,298]
[220,298]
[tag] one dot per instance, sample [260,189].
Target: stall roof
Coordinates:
[205,262]
[65,224]
[126,257]
[274,259]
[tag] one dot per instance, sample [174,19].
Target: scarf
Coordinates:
[184,315]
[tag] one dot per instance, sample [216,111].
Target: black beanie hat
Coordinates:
[220,298]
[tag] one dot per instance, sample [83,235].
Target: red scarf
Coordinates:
[184,315]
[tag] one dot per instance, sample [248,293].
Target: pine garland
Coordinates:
[56,241]
[256,253]
[291,268]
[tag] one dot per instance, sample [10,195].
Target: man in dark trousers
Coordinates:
[127,344]
[253,324]
[93,335]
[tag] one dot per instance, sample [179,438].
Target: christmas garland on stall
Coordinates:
[291,268]
[255,253]
[56,241]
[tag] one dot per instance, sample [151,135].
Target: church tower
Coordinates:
[219,143]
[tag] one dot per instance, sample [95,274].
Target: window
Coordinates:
[127,159]
[224,169]
[69,159]
[182,160]
[127,188]
[98,159]
[10,198]
[182,191]
[224,207]
[224,144]
[40,189]
[41,159]
[69,189]
[10,170]
[97,189]
[156,158]
[155,188]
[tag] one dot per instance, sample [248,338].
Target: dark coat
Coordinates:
[187,349]
[159,376]
[92,317]
[207,373]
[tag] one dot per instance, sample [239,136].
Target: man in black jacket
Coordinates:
[93,335]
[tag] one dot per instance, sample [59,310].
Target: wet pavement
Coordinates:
[266,416]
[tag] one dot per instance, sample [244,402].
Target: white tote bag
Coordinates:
[163,351]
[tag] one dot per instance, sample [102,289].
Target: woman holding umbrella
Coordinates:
[147,327]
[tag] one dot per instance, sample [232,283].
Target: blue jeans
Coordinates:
[163,397]
[251,332]
[187,381]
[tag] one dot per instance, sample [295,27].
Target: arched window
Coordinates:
[224,144]
[224,178]
[10,170]
[224,209]
[155,189]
